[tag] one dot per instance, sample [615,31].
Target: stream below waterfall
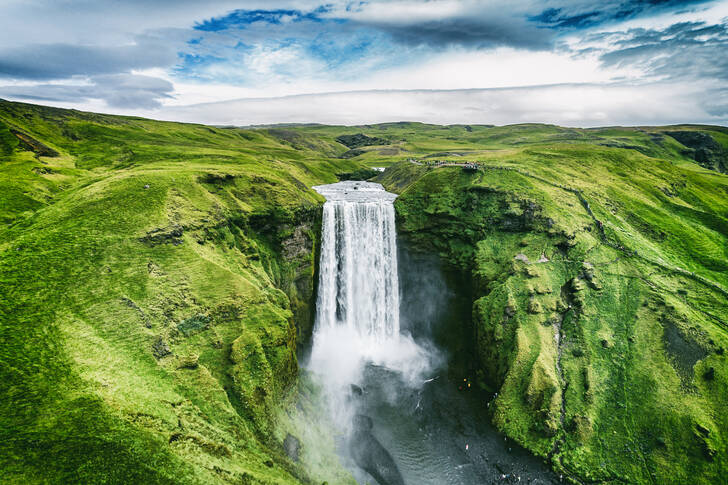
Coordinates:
[391,346]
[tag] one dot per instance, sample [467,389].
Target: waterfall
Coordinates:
[357,308]
[358,283]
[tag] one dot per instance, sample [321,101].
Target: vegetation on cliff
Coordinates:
[600,277]
[156,278]
[150,277]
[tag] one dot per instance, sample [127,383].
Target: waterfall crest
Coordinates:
[358,283]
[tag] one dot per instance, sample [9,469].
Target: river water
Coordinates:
[390,346]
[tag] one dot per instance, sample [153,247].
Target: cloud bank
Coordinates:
[581,105]
[152,58]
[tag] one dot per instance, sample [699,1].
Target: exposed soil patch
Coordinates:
[29,143]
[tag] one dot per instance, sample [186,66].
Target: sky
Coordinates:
[247,62]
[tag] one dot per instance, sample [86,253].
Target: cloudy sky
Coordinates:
[570,62]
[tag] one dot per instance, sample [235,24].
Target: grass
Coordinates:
[157,278]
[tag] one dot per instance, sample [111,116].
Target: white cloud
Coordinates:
[568,105]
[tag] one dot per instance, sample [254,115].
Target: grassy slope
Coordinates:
[94,277]
[143,237]
[633,390]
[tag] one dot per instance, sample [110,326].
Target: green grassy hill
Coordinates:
[150,277]
[156,279]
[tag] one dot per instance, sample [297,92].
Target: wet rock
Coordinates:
[370,455]
[292,446]
[362,423]
[299,244]
[356,390]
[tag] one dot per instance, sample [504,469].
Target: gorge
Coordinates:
[396,383]
[178,305]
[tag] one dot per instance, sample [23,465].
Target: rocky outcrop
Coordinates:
[704,149]
[360,140]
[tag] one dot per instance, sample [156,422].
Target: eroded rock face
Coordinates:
[298,250]
[706,151]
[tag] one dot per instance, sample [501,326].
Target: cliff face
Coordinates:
[600,332]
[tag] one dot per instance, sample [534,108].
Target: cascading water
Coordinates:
[358,286]
[357,311]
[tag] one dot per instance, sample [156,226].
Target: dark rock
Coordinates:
[299,244]
[145,320]
[160,348]
[362,423]
[705,150]
[292,446]
[269,463]
[356,390]
[360,140]
[352,154]
[370,455]
[194,324]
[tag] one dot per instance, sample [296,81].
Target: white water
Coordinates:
[357,310]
